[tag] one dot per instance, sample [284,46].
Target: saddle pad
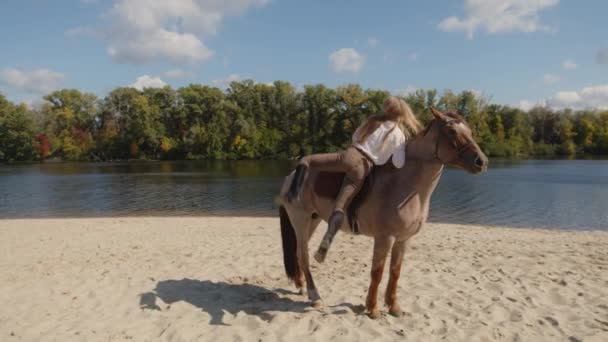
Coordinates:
[328,184]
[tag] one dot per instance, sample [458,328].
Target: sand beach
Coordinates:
[222,279]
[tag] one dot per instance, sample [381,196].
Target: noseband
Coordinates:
[460,150]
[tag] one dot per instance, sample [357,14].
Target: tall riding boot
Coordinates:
[335,222]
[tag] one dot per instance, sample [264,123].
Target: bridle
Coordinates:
[459,151]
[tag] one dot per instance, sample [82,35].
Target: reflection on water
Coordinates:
[146,188]
[530,193]
[571,194]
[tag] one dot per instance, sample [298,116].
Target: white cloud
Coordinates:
[372,41]
[499,16]
[569,65]
[478,93]
[595,96]
[175,73]
[146,81]
[162,44]
[602,56]
[410,89]
[566,98]
[140,31]
[346,60]
[549,79]
[225,82]
[35,103]
[38,81]
[526,105]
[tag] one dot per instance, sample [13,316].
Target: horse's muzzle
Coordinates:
[480,164]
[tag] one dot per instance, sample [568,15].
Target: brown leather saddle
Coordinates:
[328,185]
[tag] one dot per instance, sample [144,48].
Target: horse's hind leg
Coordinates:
[312,226]
[300,282]
[305,225]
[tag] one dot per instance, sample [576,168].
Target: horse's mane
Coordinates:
[457,117]
[452,115]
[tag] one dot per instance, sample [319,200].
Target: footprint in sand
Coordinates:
[556,297]
[498,312]
[516,316]
[552,321]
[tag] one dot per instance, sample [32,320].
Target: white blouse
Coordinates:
[380,149]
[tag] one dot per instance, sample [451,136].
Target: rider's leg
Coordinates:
[351,186]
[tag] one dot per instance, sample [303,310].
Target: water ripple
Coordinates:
[532,193]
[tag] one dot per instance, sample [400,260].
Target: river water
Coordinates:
[560,194]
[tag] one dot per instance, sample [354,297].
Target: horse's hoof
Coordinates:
[395,311]
[300,291]
[317,304]
[320,255]
[374,314]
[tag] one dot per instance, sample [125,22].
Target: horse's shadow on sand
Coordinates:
[216,298]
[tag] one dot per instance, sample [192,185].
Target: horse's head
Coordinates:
[455,145]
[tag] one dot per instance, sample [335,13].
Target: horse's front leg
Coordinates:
[381,247]
[395,270]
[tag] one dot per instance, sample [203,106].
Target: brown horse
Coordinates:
[393,211]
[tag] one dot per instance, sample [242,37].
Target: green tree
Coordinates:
[138,121]
[205,113]
[167,101]
[602,136]
[351,109]
[69,120]
[421,102]
[318,122]
[566,133]
[284,122]
[586,125]
[255,121]
[16,132]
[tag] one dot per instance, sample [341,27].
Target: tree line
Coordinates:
[251,120]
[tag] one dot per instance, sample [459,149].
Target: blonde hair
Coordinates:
[395,109]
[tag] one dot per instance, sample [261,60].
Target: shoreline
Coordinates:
[232,216]
[576,156]
[222,278]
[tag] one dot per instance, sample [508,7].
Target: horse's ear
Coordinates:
[437,114]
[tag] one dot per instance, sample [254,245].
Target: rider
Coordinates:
[379,138]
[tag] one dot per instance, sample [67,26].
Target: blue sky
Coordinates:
[518,52]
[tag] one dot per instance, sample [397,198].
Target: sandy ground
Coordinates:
[222,279]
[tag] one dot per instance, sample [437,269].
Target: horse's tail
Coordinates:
[290,245]
[296,182]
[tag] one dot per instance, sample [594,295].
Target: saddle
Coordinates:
[328,185]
